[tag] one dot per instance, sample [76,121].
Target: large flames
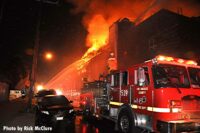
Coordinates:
[96,39]
[97,34]
[100,14]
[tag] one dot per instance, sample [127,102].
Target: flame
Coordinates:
[98,35]
[96,39]
[97,32]
[100,14]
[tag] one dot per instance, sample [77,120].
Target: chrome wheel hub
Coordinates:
[124,124]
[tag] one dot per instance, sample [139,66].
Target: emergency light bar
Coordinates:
[175,60]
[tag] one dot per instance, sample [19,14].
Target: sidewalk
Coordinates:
[14,119]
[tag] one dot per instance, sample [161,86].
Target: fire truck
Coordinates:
[159,95]
[90,92]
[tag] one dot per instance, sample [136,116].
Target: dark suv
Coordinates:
[53,109]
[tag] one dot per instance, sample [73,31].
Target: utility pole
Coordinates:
[35,57]
[35,51]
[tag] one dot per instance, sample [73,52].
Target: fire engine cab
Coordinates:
[160,95]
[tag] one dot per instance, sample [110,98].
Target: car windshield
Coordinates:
[194,77]
[170,76]
[55,101]
[45,92]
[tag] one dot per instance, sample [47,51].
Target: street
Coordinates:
[92,126]
[14,119]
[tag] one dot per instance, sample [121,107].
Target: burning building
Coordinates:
[165,32]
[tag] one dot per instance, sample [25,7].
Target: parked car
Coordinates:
[54,109]
[41,94]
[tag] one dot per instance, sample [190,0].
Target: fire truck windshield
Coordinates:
[194,77]
[166,76]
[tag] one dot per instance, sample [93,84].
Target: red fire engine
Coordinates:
[160,95]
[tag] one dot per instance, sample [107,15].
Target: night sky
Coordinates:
[61,32]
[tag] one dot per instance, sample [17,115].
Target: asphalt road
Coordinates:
[93,126]
[84,126]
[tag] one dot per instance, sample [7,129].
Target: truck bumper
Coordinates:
[178,126]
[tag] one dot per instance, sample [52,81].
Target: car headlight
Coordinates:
[71,110]
[45,112]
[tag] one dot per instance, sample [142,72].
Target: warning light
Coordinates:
[175,60]
[180,61]
[169,59]
[190,62]
[161,58]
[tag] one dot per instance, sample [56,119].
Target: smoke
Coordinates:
[189,7]
[100,14]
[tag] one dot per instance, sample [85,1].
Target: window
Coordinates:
[115,79]
[146,76]
[194,77]
[170,76]
[125,78]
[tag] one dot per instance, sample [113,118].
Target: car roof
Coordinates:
[48,97]
[46,92]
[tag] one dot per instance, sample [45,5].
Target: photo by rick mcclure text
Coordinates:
[26,128]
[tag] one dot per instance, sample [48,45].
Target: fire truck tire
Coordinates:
[126,122]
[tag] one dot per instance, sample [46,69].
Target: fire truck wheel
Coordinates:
[126,121]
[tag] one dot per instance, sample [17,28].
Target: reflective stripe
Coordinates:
[161,110]
[134,106]
[116,103]
[176,110]
[152,109]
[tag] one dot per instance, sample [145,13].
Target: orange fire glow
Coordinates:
[100,14]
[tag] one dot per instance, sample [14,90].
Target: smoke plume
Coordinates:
[100,14]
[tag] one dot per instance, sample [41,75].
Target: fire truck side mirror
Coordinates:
[112,80]
[141,76]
